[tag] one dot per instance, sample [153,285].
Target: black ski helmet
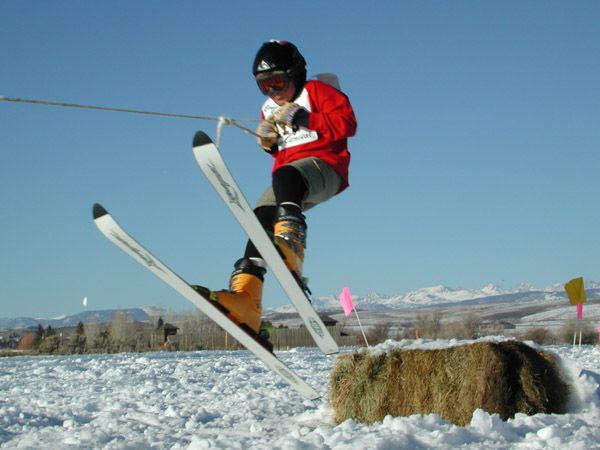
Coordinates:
[281,55]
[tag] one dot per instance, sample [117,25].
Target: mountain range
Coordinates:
[104,316]
[430,297]
[442,296]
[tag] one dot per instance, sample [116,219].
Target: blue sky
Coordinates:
[476,159]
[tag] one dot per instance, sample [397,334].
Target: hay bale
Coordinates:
[498,377]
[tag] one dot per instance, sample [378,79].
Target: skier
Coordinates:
[305,126]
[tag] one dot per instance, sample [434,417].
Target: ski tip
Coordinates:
[201,138]
[99,211]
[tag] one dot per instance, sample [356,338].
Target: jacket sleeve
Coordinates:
[332,116]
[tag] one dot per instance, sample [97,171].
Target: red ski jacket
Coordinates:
[331,122]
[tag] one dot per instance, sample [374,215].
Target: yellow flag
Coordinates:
[576,291]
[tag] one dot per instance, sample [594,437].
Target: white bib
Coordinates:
[288,137]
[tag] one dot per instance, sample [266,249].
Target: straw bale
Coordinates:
[498,377]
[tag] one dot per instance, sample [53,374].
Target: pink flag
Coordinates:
[346,301]
[579,311]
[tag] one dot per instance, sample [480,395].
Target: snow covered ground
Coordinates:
[227,400]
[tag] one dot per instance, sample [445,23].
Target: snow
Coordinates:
[227,400]
[432,344]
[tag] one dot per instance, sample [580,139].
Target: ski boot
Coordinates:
[290,237]
[242,302]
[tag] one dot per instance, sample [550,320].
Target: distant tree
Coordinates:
[102,341]
[378,333]
[50,342]
[38,337]
[190,332]
[471,326]
[538,335]
[429,326]
[79,340]
[573,328]
[467,328]
[122,332]
[92,330]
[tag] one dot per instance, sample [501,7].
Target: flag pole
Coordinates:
[361,327]
[349,306]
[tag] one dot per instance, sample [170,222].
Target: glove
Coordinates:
[289,114]
[267,136]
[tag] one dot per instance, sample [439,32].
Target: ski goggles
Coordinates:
[272,82]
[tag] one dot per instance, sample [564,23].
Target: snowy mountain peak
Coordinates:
[491,289]
[524,287]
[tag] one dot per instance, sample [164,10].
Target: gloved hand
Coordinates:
[267,136]
[288,115]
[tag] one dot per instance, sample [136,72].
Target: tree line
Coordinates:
[194,331]
[188,332]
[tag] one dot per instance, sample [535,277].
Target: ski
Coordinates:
[212,164]
[111,230]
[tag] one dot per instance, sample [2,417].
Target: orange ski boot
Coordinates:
[242,302]
[290,236]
